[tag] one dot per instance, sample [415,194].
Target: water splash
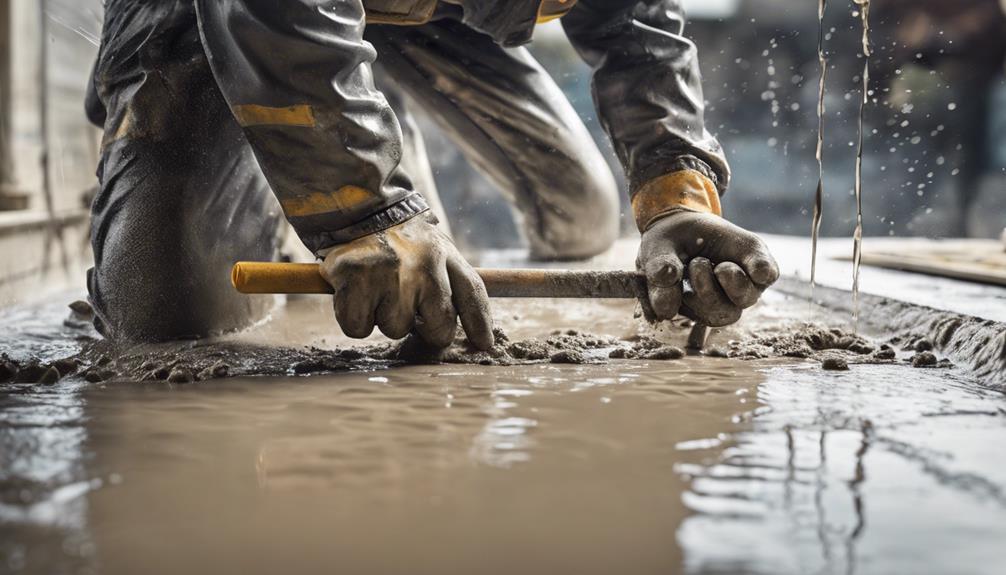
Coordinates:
[87,35]
[815,229]
[857,238]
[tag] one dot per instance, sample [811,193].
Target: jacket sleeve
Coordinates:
[648,93]
[297,77]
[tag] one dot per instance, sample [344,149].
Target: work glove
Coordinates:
[408,278]
[727,267]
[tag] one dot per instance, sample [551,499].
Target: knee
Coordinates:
[164,236]
[584,216]
[145,290]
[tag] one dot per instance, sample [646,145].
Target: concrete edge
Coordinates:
[976,345]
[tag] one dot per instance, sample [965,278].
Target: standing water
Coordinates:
[857,249]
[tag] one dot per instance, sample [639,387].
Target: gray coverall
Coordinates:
[214,109]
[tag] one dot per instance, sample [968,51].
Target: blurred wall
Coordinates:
[53,150]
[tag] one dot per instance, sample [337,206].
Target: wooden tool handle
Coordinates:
[283,278]
[273,277]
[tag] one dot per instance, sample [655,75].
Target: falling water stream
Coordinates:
[857,249]
[819,194]
[864,14]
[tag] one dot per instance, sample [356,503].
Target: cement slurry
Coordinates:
[760,462]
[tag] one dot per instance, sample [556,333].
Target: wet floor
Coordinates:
[701,465]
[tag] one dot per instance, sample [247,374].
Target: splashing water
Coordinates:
[857,238]
[815,229]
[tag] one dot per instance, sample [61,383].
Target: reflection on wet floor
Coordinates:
[701,465]
[870,472]
[729,466]
[421,469]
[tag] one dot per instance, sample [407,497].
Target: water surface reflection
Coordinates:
[878,470]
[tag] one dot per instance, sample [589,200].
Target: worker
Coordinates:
[213,110]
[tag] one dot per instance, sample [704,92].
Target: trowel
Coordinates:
[296,278]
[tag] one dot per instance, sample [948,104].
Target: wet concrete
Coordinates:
[873,470]
[767,464]
[454,469]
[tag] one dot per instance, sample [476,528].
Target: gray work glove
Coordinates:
[728,267]
[409,277]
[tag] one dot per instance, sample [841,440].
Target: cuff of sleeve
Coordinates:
[689,189]
[319,243]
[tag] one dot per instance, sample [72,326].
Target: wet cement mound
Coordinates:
[188,362]
[99,361]
[569,347]
[835,348]
[975,344]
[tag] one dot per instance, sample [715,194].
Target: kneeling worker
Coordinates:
[215,109]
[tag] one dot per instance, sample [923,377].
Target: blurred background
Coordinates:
[935,146]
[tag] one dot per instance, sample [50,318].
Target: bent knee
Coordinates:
[580,217]
[147,301]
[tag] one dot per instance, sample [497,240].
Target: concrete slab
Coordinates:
[979,300]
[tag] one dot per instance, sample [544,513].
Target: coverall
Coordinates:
[215,109]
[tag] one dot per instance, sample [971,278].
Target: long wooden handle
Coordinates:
[283,278]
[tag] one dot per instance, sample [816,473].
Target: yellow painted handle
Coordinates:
[274,277]
[283,278]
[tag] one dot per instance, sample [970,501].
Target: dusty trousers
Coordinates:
[187,187]
[511,122]
[181,196]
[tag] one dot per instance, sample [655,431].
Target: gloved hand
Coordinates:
[408,277]
[728,266]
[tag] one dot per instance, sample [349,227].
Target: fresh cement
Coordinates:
[666,462]
[831,347]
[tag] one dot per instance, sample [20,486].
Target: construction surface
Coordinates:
[981,261]
[698,464]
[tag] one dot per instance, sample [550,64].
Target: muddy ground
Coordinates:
[642,458]
[832,348]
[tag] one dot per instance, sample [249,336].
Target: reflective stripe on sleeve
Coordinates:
[345,198]
[255,115]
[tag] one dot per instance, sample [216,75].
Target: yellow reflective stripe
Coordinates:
[125,126]
[254,115]
[554,9]
[125,129]
[689,189]
[342,199]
